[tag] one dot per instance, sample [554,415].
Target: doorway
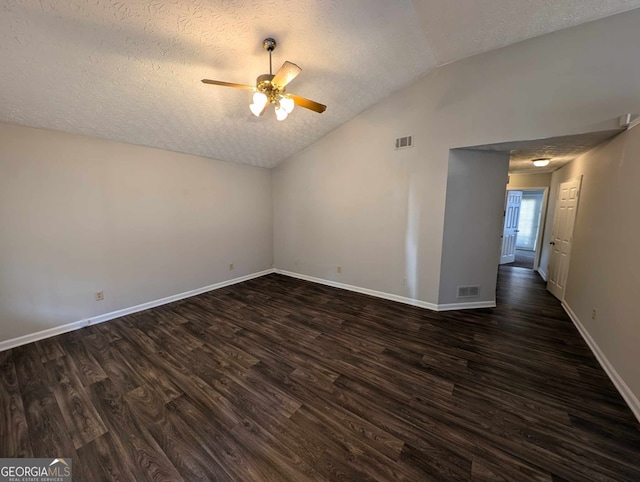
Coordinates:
[475,251]
[523,223]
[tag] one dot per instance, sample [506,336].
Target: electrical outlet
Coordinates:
[593,314]
[339,269]
[99,295]
[231,267]
[404,282]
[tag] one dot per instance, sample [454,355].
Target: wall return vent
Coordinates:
[404,142]
[468,291]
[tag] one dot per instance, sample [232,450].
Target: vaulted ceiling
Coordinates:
[130,70]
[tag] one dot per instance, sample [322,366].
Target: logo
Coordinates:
[35,470]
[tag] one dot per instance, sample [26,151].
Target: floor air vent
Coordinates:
[404,142]
[468,291]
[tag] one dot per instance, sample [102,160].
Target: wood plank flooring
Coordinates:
[280,379]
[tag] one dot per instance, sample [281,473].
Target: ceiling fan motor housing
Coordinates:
[264,85]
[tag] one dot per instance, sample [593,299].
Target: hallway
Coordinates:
[524,259]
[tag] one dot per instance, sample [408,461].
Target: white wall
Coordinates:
[471,250]
[604,270]
[351,200]
[80,214]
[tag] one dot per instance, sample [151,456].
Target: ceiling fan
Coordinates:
[271,89]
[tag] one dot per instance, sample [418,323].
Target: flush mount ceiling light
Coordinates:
[541,162]
[270,89]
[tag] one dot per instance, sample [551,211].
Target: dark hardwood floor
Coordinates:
[280,379]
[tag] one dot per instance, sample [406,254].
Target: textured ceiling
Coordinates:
[130,70]
[560,150]
[462,28]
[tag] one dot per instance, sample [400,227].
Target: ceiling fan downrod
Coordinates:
[269,45]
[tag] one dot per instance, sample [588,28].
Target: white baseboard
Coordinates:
[542,273]
[364,291]
[170,299]
[623,388]
[41,335]
[472,305]
[390,296]
[58,330]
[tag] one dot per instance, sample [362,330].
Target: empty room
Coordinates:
[319,240]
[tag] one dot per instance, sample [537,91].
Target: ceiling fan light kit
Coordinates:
[271,89]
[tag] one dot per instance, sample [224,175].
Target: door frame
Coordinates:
[543,221]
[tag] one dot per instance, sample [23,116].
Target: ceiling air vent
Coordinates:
[404,142]
[468,291]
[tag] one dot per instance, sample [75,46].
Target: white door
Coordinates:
[510,231]
[564,220]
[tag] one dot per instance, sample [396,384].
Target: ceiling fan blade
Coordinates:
[228,84]
[308,104]
[286,74]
